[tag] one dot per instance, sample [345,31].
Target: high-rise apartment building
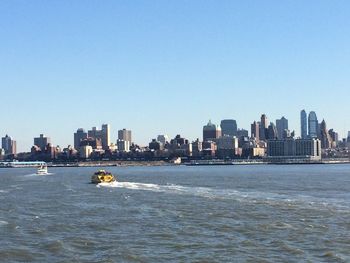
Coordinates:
[281,125]
[9,145]
[313,125]
[254,130]
[103,135]
[211,132]
[303,124]
[125,135]
[42,141]
[78,137]
[228,128]
[106,136]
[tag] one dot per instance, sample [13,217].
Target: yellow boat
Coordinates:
[101,176]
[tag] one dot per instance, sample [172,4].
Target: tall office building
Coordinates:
[228,128]
[272,132]
[281,125]
[105,136]
[263,127]
[324,136]
[254,130]
[42,141]
[125,135]
[313,125]
[348,138]
[303,124]
[78,137]
[9,145]
[211,132]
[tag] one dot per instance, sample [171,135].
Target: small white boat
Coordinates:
[42,170]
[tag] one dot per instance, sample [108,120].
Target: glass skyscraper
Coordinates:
[303,124]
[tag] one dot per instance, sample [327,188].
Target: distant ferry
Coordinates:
[42,170]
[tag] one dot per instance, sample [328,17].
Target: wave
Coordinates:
[257,197]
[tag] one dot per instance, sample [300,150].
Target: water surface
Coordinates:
[237,213]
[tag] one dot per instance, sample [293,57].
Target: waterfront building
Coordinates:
[42,141]
[348,138]
[209,148]
[228,128]
[85,151]
[123,146]
[226,147]
[281,125]
[2,153]
[313,125]
[294,150]
[78,137]
[211,131]
[303,124]
[9,145]
[254,130]
[263,127]
[125,135]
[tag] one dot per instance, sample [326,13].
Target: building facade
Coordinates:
[211,132]
[228,128]
[79,135]
[313,125]
[282,126]
[42,141]
[9,145]
[303,124]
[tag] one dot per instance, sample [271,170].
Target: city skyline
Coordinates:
[109,136]
[67,65]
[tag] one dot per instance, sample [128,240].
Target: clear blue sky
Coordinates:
[168,66]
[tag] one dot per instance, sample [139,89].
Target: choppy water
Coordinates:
[177,214]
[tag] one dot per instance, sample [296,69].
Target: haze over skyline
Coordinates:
[160,67]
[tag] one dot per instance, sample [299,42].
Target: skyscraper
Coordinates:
[303,124]
[228,128]
[254,129]
[78,137]
[211,132]
[9,145]
[281,125]
[125,135]
[272,132]
[325,138]
[263,127]
[105,136]
[313,124]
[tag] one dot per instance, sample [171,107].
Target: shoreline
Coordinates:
[192,163]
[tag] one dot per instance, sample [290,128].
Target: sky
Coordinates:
[167,67]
